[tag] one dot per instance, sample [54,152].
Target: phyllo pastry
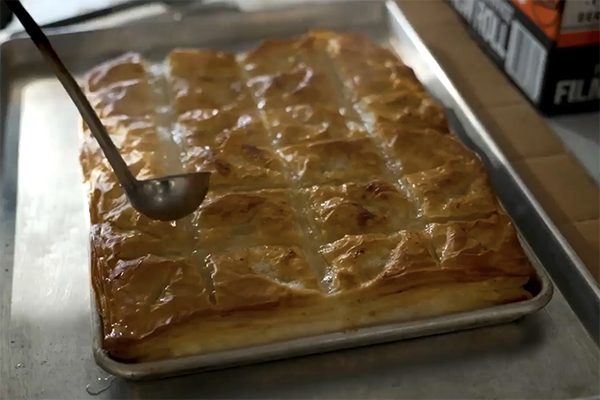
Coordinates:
[339,199]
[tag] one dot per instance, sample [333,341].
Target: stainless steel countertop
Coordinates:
[42,346]
[581,135]
[50,332]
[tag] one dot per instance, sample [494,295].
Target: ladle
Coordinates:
[165,199]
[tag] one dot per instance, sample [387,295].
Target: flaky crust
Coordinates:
[339,199]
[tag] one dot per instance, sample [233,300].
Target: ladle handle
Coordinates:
[88,114]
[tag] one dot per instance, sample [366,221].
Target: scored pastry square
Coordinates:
[454,190]
[262,276]
[206,79]
[368,68]
[132,98]
[242,219]
[287,73]
[213,128]
[358,208]
[486,246]
[120,92]
[284,55]
[405,109]
[361,61]
[109,205]
[144,294]
[302,85]
[385,89]
[127,67]
[196,67]
[334,161]
[398,101]
[369,80]
[144,163]
[355,49]
[378,260]
[212,95]
[121,241]
[121,88]
[236,166]
[135,138]
[135,135]
[106,189]
[108,201]
[419,150]
[311,123]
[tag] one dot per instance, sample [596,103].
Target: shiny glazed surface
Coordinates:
[335,179]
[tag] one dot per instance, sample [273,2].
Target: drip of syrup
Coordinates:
[99,385]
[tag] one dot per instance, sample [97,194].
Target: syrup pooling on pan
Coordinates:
[338,199]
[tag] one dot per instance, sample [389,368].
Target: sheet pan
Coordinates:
[23,218]
[541,288]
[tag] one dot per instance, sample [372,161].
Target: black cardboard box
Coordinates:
[550,49]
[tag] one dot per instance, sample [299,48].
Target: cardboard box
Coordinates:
[548,48]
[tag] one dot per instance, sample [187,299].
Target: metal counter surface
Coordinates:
[581,134]
[45,329]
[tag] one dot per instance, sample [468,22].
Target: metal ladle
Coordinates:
[165,199]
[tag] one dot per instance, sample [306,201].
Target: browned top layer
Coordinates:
[334,176]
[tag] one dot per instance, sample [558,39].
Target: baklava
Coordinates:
[339,199]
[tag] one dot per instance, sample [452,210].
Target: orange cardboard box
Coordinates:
[547,48]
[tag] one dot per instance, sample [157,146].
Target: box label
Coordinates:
[526,61]
[580,23]
[571,91]
[512,46]
[556,69]
[491,20]
[545,14]
[464,8]
[581,15]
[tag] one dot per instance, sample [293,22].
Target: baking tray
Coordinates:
[44,308]
[384,30]
[540,285]
[541,288]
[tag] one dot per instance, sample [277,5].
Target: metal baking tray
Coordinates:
[541,287]
[44,280]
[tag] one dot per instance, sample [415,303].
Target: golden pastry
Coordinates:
[358,208]
[453,191]
[312,123]
[339,199]
[416,150]
[247,218]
